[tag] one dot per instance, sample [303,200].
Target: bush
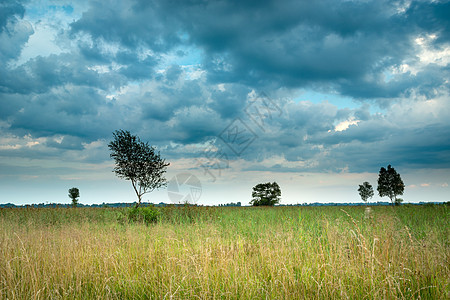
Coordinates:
[398,201]
[145,215]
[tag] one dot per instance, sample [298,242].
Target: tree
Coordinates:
[365,191]
[390,184]
[398,201]
[74,193]
[138,162]
[267,194]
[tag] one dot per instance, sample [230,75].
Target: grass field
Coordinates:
[226,253]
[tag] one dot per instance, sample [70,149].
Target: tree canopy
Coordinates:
[74,193]
[365,191]
[138,162]
[390,184]
[266,194]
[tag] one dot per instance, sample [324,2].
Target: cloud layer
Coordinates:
[178,73]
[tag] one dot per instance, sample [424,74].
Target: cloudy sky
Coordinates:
[316,95]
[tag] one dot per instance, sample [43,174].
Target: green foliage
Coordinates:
[138,162]
[74,194]
[365,191]
[146,215]
[266,194]
[390,184]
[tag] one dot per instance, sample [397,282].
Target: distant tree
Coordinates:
[390,184]
[365,191]
[398,201]
[138,162]
[266,194]
[74,194]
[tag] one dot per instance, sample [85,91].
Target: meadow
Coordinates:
[226,253]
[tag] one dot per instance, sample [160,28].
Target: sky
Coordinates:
[315,95]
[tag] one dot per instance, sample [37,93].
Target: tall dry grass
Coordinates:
[227,253]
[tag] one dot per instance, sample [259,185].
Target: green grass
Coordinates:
[226,253]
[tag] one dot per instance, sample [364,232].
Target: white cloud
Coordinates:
[344,125]
[10,142]
[431,55]
[426,54]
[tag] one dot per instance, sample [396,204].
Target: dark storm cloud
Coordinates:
[118,73]
[306,133]
[67,142]
[77,68]
[432,17]
[8,11]
[425,147]
[75,111]
[130,24]
[168,97]
[229,102]
[347,45]
[425,83]
[136,69]
[296,43]
[194,125]
[14,33]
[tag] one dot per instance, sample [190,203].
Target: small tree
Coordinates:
[267,194]
[74,193]
[138,162]
[390,184]
[365,191]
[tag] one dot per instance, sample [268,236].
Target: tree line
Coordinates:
[139,162]
[390,184]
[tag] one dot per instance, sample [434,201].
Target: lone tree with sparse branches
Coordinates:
[138,162]
[365,191]
[266,194]
[390,184]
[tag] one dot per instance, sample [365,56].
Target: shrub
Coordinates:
[145,215]
[398,201]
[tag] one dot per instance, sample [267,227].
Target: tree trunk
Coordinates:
[137,193]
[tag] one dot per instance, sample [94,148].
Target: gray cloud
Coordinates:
[123,70]
[432,17]
[12,38]
[347,45]
[76,111]
[130,24]
[8,11]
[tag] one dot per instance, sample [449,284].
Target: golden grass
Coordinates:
[233,253]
